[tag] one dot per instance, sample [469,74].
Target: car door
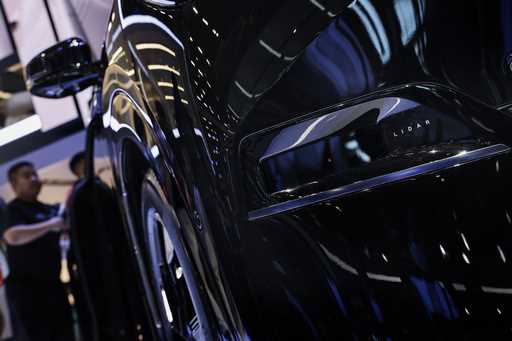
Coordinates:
[107,291]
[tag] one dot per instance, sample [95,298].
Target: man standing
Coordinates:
[36,296]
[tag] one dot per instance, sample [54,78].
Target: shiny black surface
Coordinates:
[224,102]
[62,70]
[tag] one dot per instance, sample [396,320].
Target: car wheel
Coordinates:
[178,313]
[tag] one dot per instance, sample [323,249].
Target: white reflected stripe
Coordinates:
[308,131]
[481,125]
[116,55]
[155,46]
[339,262]
[165,84]
[245,92]
[492,290]
[164,3]
[146,19]
[106,119]
[270,49]
[459,287]
[167,306]
[502,254]
[164,68]
[465,241]
[385,278]
[317,4]
[110,44]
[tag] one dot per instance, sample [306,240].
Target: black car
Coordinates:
[294,170]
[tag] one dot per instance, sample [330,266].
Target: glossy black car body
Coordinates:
[332,170]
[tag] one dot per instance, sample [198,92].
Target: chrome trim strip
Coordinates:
[378,181]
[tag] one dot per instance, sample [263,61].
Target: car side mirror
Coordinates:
[62,70]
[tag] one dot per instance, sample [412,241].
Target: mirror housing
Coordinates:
[62,70]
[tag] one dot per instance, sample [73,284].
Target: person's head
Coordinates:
[77,164]
[24,181]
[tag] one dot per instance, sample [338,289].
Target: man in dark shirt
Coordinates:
[36,296]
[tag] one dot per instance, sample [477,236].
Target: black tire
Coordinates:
[178,313]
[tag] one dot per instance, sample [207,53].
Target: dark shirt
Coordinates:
[38,260]
[2,214]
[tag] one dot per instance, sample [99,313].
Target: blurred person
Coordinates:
[36,296]
[77,164]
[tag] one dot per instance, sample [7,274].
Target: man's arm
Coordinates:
[24,234]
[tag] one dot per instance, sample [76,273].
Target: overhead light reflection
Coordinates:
[459,287]
[443,251]
[502,254]
[164,68]
[116,55]
[165,84]
[465,241]
[493,290]
[155,46]
[339,262]
[168,312]
[385,278]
